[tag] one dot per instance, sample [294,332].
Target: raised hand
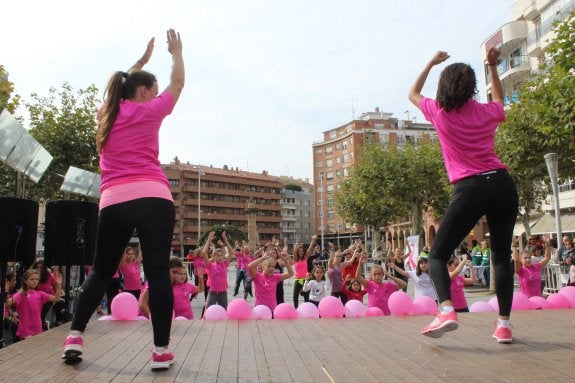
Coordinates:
[439,57]
[492,55]
[174,42]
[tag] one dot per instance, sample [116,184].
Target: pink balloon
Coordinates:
[521,302]
[125,306]
[480,307]
[354,309]
[417,309]
[558,301]
[261,312]
[428,303]
[540,303]
[374,312]
[493,302]
[141,317]
[307,310]
[106,317]
[180,318]
[216,312]
[569,293]
[399,303]
[331,307]
[285,311]
[239,309]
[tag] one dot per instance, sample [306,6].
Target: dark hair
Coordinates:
[451,261]
[457,85]
[418,267]
[121,86]
[40,265]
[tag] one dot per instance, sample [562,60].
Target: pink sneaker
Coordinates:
[503,335]
[442,323]
[73,349]
[162,361]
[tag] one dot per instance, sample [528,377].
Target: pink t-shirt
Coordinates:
[48,286]
[132,148]
[466,136]
[218,276]
[29,307]
[182,294]
[378,294]
[300,269]
[199,264]
[131,273]
[266,286]
[457,293]
[530,280]
[243,260]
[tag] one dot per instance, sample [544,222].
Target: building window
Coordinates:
[329,188]
[329,163]
[345,158]
[330,214]
[318,164]
[337,146]
[329,176]
[337,160]
[330,202]
[328,149]
[174,182]
[319,151]
[332,135]
[344,145]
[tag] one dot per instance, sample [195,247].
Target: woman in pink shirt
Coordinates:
[481,184]
[529,273]
[135,195]
[130,270]
[300,257]
[266,282]
[217,268]
[47,284]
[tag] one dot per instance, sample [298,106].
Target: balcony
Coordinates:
[509,68]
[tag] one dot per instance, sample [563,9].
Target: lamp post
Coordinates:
[322,208]
[199,169]
[551,160]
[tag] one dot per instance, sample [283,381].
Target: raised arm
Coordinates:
[138,65]
[311,246]
[200,275]
[459,267]
[496,87]
[177,77]
[231,252]
[415,91]
[401,284]
[548,248]
[515,252]
[206,248]
[358,272]
[288,264]
[253,266]
[397,269]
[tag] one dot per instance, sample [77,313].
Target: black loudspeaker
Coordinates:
[18,229]
[70,236]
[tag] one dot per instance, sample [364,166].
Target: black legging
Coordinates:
[297,289]
[153,218]
[111,291]
[495,196]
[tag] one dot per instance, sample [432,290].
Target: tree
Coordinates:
[390,183]
[293,187]
[64,123]
[232,232]
[10,102]
[542,122]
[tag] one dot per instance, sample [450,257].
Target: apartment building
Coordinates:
[297,210]
[205,196]
[334,156]
[522,42]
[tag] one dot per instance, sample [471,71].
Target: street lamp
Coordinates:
[322,208]
[551,160]
[199,169]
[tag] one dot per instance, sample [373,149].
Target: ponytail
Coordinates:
[121,86]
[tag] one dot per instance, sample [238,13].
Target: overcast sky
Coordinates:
[264,79]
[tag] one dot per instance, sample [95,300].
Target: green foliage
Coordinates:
[232,232]
[293,187]
[390,184]
[64,123]
[8,100]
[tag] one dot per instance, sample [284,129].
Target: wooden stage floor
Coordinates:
[382,349]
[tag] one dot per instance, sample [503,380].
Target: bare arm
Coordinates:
[415,90]
[138,65]
[548,247]
[496,87]
[178,76]
[358,273]
[398,269]
[515,252]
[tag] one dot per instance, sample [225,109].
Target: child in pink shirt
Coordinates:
[184,291]
[529,273]
[266,282]
[28,303]
[458,282]
[130,270]
[378,292]
[217,268]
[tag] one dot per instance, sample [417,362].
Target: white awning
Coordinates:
[547,224]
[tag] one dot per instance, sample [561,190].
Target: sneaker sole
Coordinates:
[161,365]
[72,356]
[503,340]
[449,325]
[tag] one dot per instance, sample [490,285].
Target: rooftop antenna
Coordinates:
[352,91]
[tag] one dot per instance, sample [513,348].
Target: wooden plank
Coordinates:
[210,366]
[247,357]
[277,367]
